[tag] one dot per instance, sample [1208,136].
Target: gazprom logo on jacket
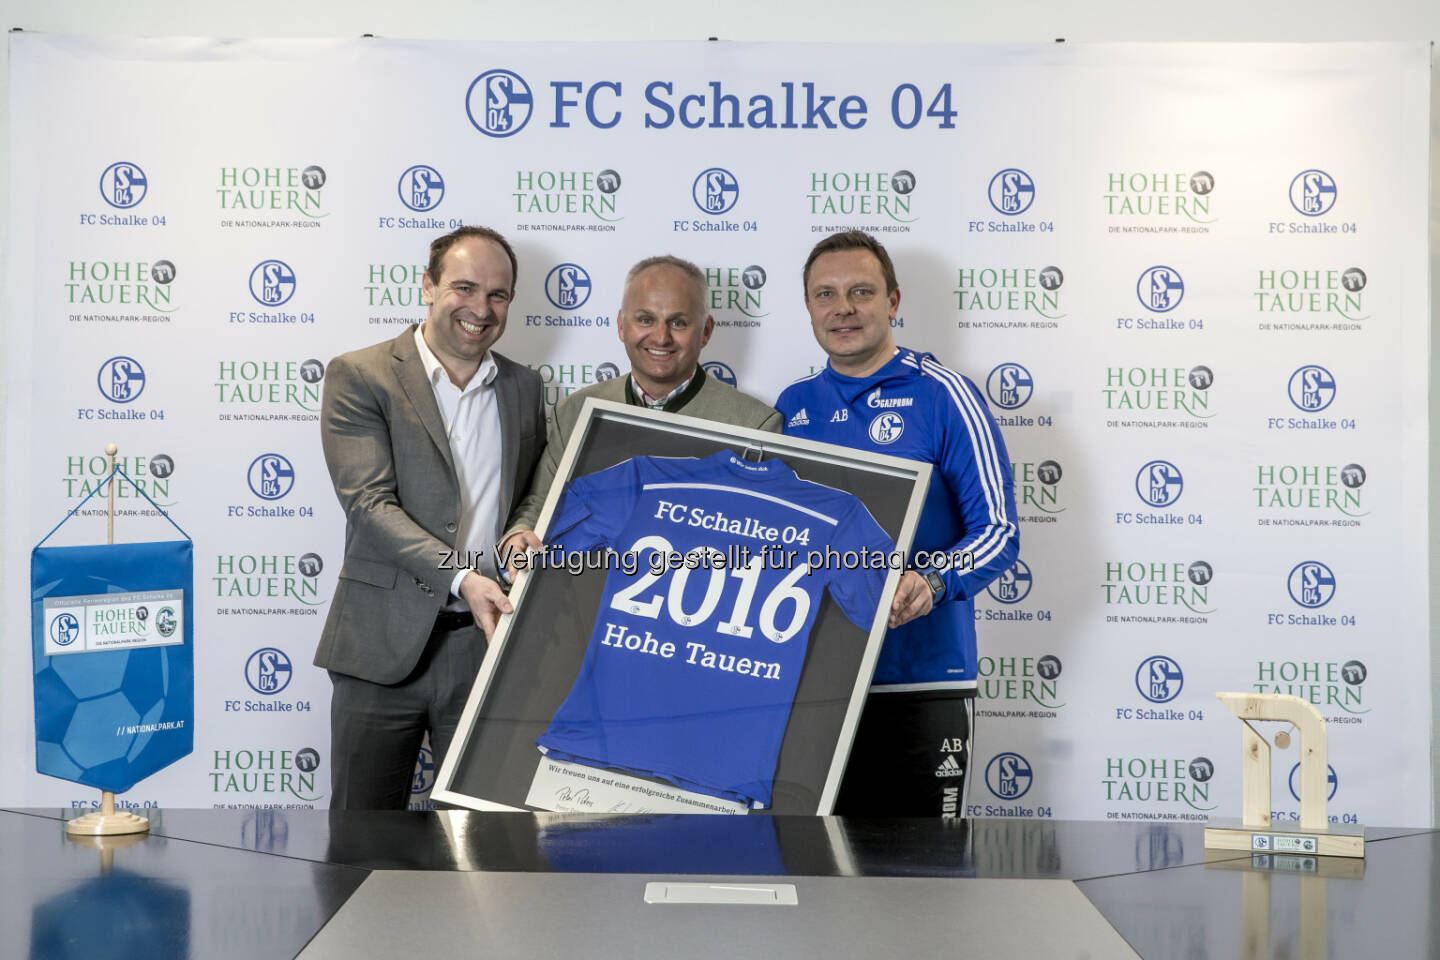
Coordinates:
[1311,584]
[1009,386]
[421,188]
[1013,585]
[268,671]
[1311,388]
[1159,679]
[121,379]
[567,286]
[272,283]
[499,103]
[271,476]
[1009,776]
[1160,289]
[1011,191]
[123,185]
[1159,483]
[1312,192]
[715,191]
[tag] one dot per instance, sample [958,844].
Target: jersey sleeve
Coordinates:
[976,465]
[857,589]
[593,509]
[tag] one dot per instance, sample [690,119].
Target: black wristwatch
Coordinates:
[937,586]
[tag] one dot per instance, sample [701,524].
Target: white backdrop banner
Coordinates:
[1191,280]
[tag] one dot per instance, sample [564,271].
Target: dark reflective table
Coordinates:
[260,884]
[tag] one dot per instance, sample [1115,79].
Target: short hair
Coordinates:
[851,240]
[694,273]
[441,245]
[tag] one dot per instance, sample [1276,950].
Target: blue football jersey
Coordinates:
[914,407]
[692,667]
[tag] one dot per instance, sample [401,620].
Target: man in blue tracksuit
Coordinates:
[912,750]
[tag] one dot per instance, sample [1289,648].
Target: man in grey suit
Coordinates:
[664,322]
[431,440]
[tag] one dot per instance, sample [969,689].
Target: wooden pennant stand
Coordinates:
[107,821]
[1315,834]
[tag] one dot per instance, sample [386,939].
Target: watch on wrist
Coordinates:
[937,586]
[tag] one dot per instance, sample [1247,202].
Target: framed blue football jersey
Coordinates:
[700,629]
[693,664]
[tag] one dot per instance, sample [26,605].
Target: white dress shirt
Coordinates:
[472,422]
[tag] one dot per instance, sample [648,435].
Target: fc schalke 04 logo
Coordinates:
[421,188]
[1009,776]
[123,185]
[272,283]
[1312,192]
[1009,386]
[424,777]
[1330,778]
[1159,483]
[720,371]
[568,286]
[1159,679]
[268,671]
[1311,584]
[499,103]
[271,476]
[1311,388]
[887,427]
[1160,289]
[1013,585]
[1012,191]
[715,191]
[64,629]
[121,379]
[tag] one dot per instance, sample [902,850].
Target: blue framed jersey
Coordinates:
[691,670]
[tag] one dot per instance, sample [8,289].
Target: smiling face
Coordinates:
[468,303]
[663,324]
[851,311]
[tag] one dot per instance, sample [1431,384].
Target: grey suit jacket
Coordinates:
[715,401]
[390,461]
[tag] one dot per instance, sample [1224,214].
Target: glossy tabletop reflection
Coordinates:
[261,883]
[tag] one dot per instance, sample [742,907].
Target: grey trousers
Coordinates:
[376,729]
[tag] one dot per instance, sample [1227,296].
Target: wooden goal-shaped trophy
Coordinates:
[1255,831]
